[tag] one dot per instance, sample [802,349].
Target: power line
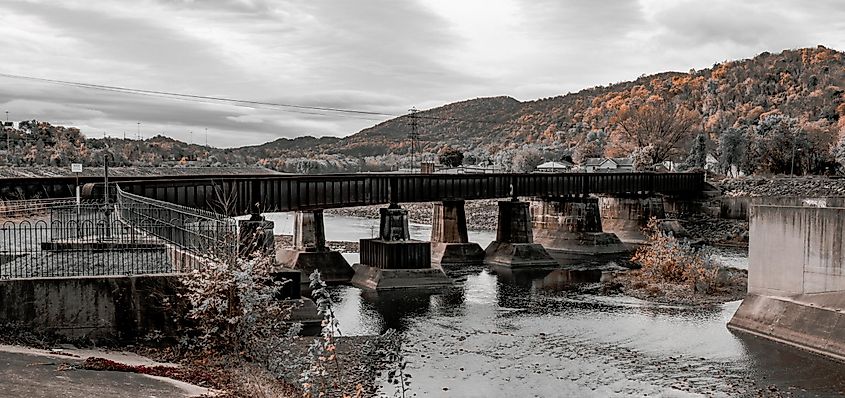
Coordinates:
[192,96]
[293,108]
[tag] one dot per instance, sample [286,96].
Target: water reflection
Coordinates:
[557,337]
[553,332]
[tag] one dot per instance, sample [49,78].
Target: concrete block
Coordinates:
[456,255]
[518,255]
[793,321]
[333,268]
[372,278]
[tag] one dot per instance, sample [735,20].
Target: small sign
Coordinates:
[76,167]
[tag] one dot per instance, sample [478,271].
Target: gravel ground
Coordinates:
[482,215]
[782,186]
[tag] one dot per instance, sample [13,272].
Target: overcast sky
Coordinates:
[377,55]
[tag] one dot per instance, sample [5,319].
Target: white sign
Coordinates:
[76,167]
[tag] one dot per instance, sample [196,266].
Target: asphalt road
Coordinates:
[37,376]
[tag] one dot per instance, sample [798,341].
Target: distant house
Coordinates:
[555,167]
[608,165]
[711,163]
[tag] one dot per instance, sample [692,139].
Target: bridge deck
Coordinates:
[304,192]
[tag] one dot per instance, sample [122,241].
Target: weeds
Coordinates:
[666,259]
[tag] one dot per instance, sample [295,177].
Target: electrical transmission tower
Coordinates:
[414,136]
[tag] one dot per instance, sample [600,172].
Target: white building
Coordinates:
[604,165]
[555,167]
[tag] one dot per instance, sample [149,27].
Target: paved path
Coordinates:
[30,373]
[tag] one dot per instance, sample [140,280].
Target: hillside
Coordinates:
[753,113]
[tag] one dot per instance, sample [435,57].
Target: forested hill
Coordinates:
[806,85]
[750,112]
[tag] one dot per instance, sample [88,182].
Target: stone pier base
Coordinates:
[372,278]
[310,252]
[450,245]
[570,228]
[514,245]
[456,255]
[626,216]
[334,269]
[394,261]
[518,255]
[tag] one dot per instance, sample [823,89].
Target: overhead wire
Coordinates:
[287,107]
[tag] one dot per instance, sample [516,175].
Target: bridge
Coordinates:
[569,214]
[282,193]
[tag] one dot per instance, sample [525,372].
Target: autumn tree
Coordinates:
[450,157]
[661,124]
[526,160]
[698,153]
[731,149]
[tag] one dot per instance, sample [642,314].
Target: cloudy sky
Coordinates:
[382,56]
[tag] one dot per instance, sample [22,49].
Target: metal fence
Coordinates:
[201,232]
[21,209]
[133,236]
[45,248]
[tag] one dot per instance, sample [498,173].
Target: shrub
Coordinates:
[666,259]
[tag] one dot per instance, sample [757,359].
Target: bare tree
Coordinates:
[662,124]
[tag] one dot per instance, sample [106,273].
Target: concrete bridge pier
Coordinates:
[310,251]
[450,245]
[514,245]
[571,228]
[395,261]
[626,216]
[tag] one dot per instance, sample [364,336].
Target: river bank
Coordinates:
[482,215]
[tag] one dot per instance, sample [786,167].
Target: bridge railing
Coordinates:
[202,232]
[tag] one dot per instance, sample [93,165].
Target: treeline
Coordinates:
[774,113]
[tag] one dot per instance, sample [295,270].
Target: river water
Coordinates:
[531,334]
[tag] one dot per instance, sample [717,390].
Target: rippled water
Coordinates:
[527,334]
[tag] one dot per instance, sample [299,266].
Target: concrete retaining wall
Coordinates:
[117,308]
[796,250]
[796,277]
[740,207]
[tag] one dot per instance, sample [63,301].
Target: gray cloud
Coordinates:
[375,55]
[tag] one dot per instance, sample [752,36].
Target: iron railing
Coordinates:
[204,233]
[132,236]
[62,248]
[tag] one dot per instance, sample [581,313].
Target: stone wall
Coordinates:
[102,308]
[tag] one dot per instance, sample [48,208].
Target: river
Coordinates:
[530,335]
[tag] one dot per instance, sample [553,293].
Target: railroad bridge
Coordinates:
[568,214]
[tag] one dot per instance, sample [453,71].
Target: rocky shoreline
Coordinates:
[806,186]
[482,215]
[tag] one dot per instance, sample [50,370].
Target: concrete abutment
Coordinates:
[796,278]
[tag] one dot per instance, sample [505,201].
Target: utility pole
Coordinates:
[191,139]
[413,136]
[8,141]
[206,137]
[139,131]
